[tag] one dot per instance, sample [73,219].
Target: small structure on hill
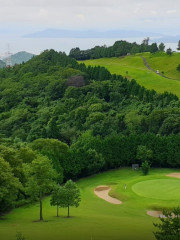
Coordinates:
[135,167]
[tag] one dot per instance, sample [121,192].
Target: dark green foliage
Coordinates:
[169,226]
[40,179]
[178,68]
[120,48]
[66,196]
[145,167]
[19,236]
[2,64]
[178,46]
[143,153]
[9,186]
[83,119]
[169,51]
[161,47]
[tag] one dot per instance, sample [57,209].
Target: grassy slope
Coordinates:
[137,70]
[166,63]
[95,217]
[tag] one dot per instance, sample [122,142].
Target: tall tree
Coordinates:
[41,179]
[178,46]
[9,186]
[169,51]
[70,195]
[161,47]
[57,197]
[143,153]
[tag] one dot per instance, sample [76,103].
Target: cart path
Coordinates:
[145,63]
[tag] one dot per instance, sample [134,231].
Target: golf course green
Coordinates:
[163,189]
[96,218]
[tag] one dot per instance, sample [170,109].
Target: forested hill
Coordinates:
[20,57]
[82,118]
[52,88]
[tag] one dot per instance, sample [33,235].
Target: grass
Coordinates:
[95,218]
[132,67]
[164,63]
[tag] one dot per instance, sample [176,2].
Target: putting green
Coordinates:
[164,189]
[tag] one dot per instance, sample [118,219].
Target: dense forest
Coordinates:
[119,48]
[84,119]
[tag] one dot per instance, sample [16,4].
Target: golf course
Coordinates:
[97,218]
[133,67]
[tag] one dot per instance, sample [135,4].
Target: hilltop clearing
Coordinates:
[132,67]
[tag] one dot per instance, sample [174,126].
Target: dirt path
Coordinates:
[145,63]
[102,192]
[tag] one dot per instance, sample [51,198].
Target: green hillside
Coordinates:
[86,121]
[164,63]
[132,67]
[20,57]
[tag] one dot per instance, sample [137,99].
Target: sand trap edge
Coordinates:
[103,191]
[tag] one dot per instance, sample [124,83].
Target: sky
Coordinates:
[29,16]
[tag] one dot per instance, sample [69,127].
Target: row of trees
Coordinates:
[24,168]
[120,48]
[36,179]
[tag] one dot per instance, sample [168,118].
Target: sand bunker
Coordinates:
[155,213]
[102,192]
[176,175]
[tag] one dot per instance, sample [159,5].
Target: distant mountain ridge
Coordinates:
[167,39]
[57,33]
[20,57]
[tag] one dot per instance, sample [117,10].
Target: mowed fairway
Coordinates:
[95,218]
[132,67]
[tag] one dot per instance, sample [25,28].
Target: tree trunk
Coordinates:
[68,210]
[40,201]
[57,211]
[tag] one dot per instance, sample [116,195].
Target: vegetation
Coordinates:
[66,196]
[40,179]
[19,236]
[137,70]
[119,48]
[145,167]
[83,120]
[169,51]
[2,64]
[169,228]
[20,57]
[97,219]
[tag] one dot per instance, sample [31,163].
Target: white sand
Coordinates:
[103,192]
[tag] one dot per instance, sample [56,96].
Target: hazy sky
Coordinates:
[144,15]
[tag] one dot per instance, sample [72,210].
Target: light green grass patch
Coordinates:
[132,67]
[164,189]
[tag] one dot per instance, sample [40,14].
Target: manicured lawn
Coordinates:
[164,189]
[132,67]
[95,218]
